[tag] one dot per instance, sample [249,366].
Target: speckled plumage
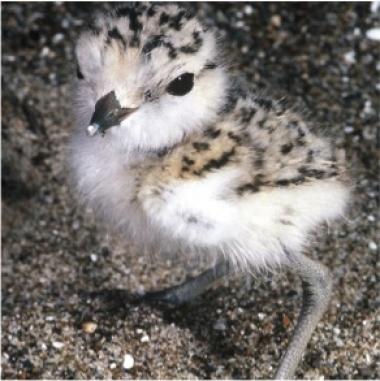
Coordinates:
[219,170]
[248,157]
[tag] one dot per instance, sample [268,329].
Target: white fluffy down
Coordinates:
[256,231]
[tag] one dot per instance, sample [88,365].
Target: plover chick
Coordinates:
[184,155]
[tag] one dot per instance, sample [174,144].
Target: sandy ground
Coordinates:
[59,270]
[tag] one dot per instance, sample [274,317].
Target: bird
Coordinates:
[176,151]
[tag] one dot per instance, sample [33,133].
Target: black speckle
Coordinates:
[115,34]
[151,11]
[217,163]
[212,133]
[94,29]
[282,183]
[172,54]
[249,187]
[188,49]
[285,222]
[153,43]
[259,163]
[172,51]
[301,132]
[188,161]
[163,152]
[148,95]
[259,156]
[311,172]
[286,148]
[197,38]
[192,220]
[175,22]
[264,103]
[310,154]
[123,11]
[189,14]
[259,178]
[134,23]
[246,114]
[234,93]
[210,66]
[292,181]
[292,125]
[193,48]
[201,146]
[234,137]
[261,123]
[164,18]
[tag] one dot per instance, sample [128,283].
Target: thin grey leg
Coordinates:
[191,288]
[317,285]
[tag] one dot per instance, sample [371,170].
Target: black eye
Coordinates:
[181,85]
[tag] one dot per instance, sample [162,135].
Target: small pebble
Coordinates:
[9,58]
[261,316]
[45,51]
[220,324]
[371,218]
[248,10]
[145,339]
[349,57]
[373,34]
[57,344]
[367,107]
[372,246]
[336,330]
[339,343]
[276,21]
[357,32]
[93,257]
[57,38]
[112,365]
[65,23]
[128,362]
[89,327]
[348,129]
[285,321]
[240,24]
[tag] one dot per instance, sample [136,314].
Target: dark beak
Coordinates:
[108,113]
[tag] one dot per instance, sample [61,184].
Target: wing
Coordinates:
[254,184]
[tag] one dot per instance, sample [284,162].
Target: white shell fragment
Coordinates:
[93,129]
[372,246]
[57,344]
[373,34]
[128,362]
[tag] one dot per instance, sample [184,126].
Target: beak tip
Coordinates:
[92,129]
